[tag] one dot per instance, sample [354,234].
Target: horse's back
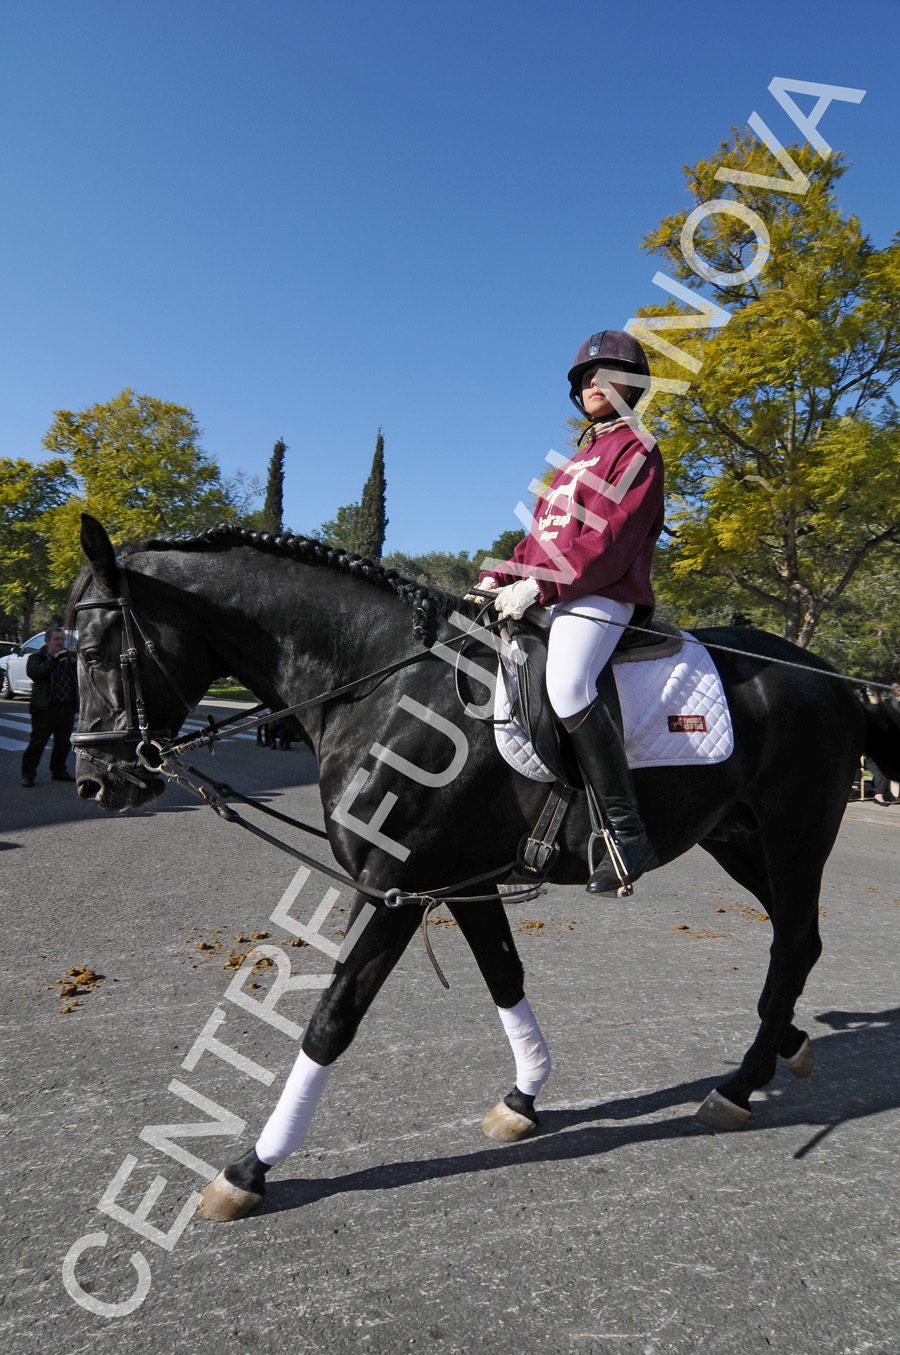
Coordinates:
[798,734]
[788,678]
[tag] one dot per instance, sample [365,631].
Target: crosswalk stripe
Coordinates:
[22,725]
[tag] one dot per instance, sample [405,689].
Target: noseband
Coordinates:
[133,707]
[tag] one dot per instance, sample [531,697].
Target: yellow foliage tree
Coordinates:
[138,467]
[30,495]
[783,456]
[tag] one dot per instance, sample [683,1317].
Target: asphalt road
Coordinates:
[624,1226]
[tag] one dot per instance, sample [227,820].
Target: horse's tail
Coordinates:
[883,736]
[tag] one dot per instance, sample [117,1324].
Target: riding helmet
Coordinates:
[608,347]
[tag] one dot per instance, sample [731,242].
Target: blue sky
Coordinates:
[308,221]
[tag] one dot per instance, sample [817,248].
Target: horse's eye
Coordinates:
[91,656]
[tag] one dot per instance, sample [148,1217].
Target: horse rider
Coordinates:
[587,557]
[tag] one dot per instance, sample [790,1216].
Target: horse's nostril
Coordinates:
[88,789]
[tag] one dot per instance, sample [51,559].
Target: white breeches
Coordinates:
[579,649]
[286,1127]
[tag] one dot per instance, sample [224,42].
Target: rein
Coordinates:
[747,653]
[169,756]
[391,898]
[212,734]
[709,644]
[163,758]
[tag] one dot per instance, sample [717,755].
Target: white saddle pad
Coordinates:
[674,713]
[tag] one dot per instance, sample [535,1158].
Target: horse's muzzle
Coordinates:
[116,786]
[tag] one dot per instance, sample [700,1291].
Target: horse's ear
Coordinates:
[98,548]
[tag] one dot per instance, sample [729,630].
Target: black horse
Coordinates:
[292,618]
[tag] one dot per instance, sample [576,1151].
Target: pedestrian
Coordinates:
[587,558]
[881,785]
[54,701]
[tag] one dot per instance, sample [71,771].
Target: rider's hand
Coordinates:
[487,585]
[513,601]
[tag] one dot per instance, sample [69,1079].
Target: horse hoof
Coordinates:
[803,1062]
[717,1112]
[222,1202]
[505,1125]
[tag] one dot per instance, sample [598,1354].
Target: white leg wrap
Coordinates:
[286,1127]
[531,1053]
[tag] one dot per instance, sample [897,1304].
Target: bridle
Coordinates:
[133,707]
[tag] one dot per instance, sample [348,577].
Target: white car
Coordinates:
[14,681]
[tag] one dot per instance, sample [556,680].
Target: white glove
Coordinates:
[487,585]
[513,601]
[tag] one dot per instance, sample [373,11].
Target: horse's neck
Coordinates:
[289,631]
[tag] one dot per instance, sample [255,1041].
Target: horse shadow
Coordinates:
[856,1077]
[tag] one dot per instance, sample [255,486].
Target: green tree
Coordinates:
[502,548]
[371,520]
[139,468]
[360,527]
[861,632]
[440,569]
[453,572]
[341,530]
[783,457]
[29,495]
[272,518]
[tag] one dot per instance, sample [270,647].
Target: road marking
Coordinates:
[22,724]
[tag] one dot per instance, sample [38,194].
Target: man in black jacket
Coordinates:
[54,701]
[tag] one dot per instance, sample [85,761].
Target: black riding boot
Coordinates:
[601,757]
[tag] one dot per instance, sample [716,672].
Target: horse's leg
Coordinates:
[743,860]
[335,1021]
[787,886]
[486,928]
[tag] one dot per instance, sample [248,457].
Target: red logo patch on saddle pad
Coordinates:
[687,724]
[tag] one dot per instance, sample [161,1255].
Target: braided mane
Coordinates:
[429,604]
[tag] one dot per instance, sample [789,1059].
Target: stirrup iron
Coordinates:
[626,888]
[600,833]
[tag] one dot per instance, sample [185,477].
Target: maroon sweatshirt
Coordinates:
[595,528]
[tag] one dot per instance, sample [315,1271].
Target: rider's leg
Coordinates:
[601,757]
[581,643]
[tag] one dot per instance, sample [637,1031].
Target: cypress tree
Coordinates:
[341,530]
[371,522]
[273,508]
